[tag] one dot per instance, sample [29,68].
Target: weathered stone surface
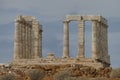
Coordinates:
[28,42]
[28,38]
[99,37]
[44,72]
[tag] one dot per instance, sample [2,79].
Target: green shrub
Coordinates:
[62,75]
[35,74]
[8,77]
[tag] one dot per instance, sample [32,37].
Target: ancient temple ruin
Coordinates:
[99,36]
[28,38]
[28,42]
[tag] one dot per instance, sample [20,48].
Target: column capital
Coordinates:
[104,25]
[81,20]
[66,21]
[94,20]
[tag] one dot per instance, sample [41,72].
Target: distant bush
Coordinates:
[35,74]
[8,77]
[62,75]
[97,78]
[80,78]
[115,73]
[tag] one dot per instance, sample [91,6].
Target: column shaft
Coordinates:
[29,42]
[26,34]
[36,39]
[106,38]
[66,40]
[17,41]
[40,41]
[94,39]
[81,39]
[23,41]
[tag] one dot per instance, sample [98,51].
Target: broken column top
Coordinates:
[30,20]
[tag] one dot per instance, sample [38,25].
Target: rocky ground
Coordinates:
[54,72]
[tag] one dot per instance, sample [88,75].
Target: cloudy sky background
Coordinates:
[51,13]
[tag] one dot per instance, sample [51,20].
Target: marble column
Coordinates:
[31,43]
[100,40]
[36,39]
[66,40]
[81,39]
[23,40]
[26,37]
[17,40]
[106,38]
[94,40]
[21,45]
[40,40]
[29,50]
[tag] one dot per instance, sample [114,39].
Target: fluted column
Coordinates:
[21,45]
[66,40]
[40,41]
[94,39]
[81,39]
[26,34]
[31,44]
[29,50]
[36,39]
[99,38]
[106,38]
[23,41]
[17,40]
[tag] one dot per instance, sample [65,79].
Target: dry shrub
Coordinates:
[115,73]
[8,76]
[86,78]
[35,74]
[83,78]
[62,75]
[80,78]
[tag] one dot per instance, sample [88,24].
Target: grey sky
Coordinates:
[50,13]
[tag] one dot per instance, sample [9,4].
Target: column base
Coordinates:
[65,57]
[80,56]
[36,57]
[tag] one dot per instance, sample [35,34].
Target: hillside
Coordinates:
[54,72]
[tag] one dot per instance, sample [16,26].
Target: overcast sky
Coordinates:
[51,13]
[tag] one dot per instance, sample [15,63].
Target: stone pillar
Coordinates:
[66,40]
[40,40]
[23,40]
[31,43]
[21,45]
[94,40]
[81,39]
[26,37]
[36,39]
[98,40]
[17,40]
[29,50]
[106,38]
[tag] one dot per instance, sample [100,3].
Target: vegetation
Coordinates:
[8,76]
[62,75]
[59,73]
[115,73]
[35,74]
